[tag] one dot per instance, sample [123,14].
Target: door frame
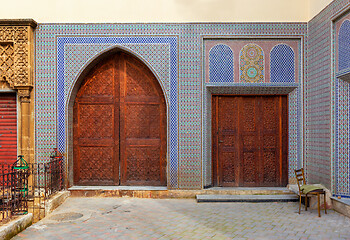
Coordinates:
[73,93]
[295,114]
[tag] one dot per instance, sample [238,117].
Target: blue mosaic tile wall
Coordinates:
[342,133]
[172,51]
[327,103]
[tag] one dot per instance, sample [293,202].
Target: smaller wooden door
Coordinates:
[250,140]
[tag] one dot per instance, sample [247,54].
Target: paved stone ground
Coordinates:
[134,218]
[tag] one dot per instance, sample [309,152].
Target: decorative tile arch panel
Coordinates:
[221,64]
[75,53]
[341,171]
[252,64]
[282,67]
[344,46]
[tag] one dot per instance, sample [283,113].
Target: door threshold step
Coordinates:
[114,188]
[247,198]
[164,192]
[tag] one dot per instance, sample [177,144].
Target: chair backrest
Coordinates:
[299,174]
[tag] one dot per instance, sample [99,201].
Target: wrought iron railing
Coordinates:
[14,189]
[26,187]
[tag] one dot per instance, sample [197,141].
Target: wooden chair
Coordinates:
[299,173]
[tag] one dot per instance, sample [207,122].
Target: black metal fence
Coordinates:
[26,187]
[14,192]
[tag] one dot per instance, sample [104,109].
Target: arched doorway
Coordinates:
[119,125]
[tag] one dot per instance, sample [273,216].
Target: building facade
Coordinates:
[191,105]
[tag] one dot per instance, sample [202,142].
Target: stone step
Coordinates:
[163,192]
[247,198]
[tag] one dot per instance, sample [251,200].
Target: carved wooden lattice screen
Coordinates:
[6,61]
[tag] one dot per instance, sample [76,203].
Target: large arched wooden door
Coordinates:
[119,125]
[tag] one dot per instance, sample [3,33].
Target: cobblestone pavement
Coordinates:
[134,218]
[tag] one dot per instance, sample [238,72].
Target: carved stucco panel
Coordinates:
[14,54]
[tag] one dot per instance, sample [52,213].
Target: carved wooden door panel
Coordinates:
[96,135]
[142,127]
[270,140]
[225,142]
[274,140]
[258,128]
[249,141]
[119,125]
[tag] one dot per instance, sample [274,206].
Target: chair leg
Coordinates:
[305,202]
[318,204]
[324,203]
[299,203]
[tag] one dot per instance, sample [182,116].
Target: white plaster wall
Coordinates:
[90,11]
[315,6]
